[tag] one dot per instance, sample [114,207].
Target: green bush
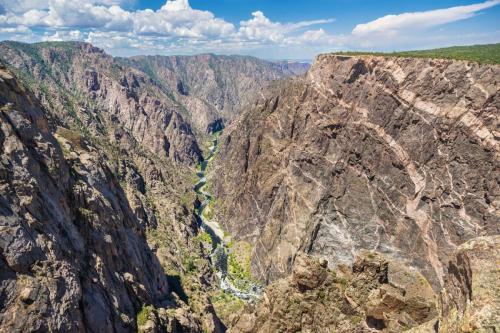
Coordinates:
[204,237]
[143,315]
[226,304]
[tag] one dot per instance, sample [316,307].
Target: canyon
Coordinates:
[227,193]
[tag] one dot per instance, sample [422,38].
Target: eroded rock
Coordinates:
[376,295]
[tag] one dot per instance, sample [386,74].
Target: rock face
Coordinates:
[381,295]
[377,295]
[470,299]
[73,257]
[395,155]
[214,88]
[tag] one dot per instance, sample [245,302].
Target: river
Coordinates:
[220,248]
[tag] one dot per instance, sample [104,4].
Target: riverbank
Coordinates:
[234,277]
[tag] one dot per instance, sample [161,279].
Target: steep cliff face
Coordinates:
[213,88]
[87,88]
[395,155]
[74,257]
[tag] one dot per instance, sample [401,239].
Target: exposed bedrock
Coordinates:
[381,295]
[395,155]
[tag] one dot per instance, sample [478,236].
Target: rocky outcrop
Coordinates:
[396,155]
[376,295]
[470,300]
[214,89]
[381,295]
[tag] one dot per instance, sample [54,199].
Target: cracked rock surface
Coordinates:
[396,155]
[73,256]
[381,295]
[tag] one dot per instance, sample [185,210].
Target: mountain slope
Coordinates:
[74,256]
[88,89]
[398,155]
[214,89]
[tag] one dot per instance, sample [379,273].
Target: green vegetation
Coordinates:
[204,237]
[239,265]
[188,262]
[209,211]
[187,199]
[226,304]
[143,315]
[356,320]
[484,54]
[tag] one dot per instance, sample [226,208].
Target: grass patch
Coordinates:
[143,315]
[239,265]
[484,54]
[226,304]
[204,237]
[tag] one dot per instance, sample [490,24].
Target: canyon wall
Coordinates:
[74,257]
[396,155]
[215,89]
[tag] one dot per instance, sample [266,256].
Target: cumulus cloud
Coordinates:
[176,18]
[393,24]
[262,28]
[176,27]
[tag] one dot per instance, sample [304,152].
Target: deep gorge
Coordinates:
[227,193]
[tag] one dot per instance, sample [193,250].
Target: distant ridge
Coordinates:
[484,54]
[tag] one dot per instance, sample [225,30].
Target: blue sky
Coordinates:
[281,29]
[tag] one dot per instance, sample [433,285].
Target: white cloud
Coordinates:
[14,30]
[391,25]
[60,36]
[177,19]
[317,37]
[263,29]
[177,28]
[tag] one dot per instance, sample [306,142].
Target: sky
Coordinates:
[270,29]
